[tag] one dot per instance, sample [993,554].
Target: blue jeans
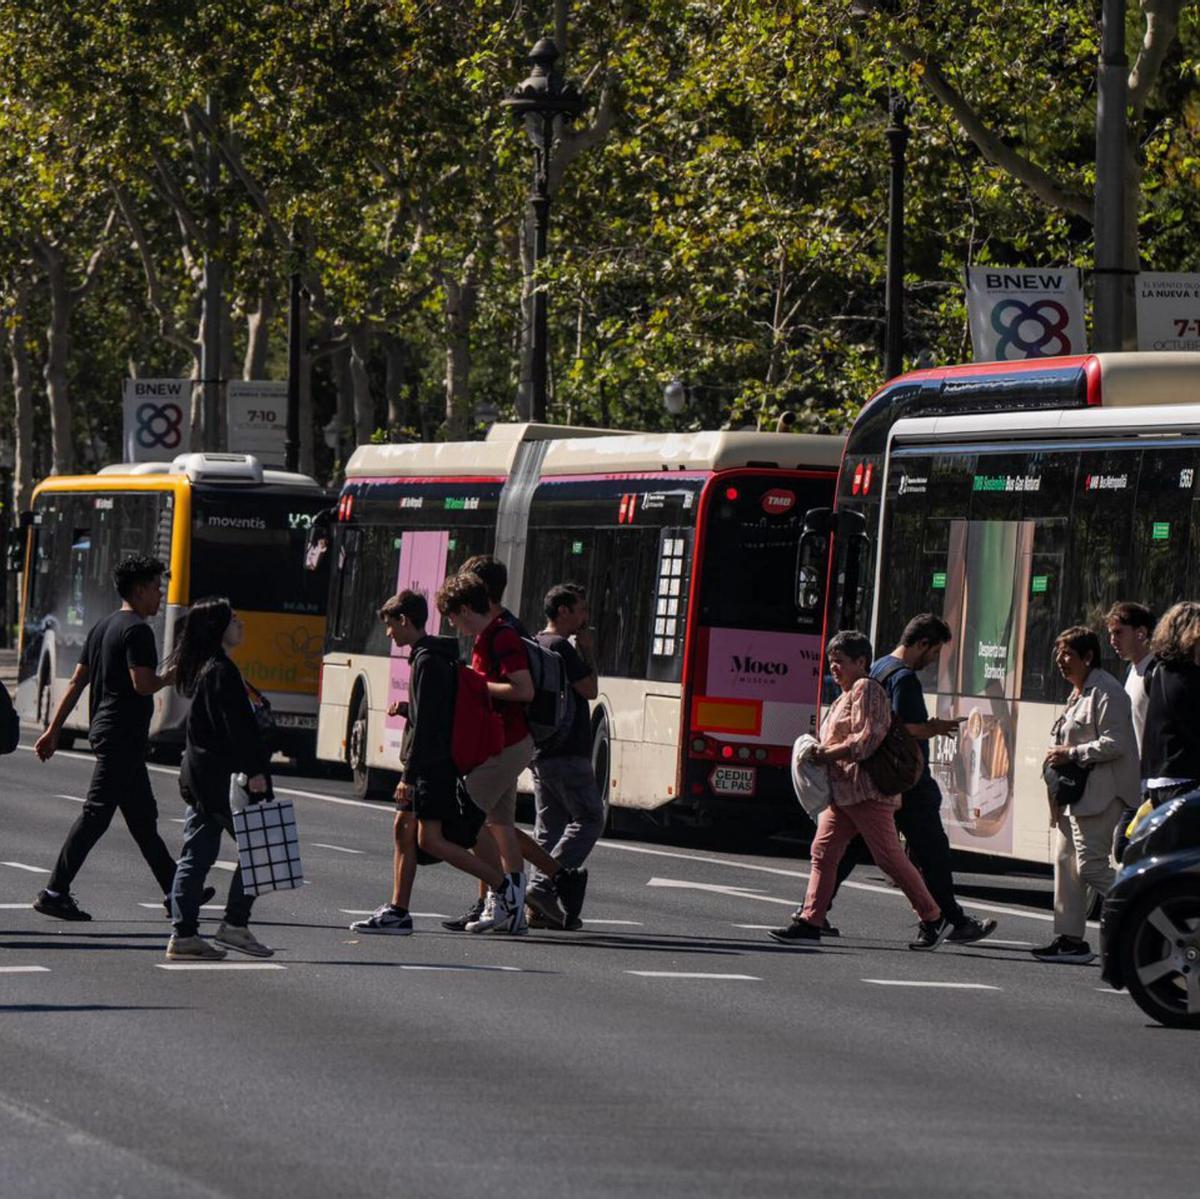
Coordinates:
[201,843]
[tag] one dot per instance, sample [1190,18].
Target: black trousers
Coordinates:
[120,782]
[919,818]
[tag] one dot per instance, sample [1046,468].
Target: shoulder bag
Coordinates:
[897,765]
[1066,782]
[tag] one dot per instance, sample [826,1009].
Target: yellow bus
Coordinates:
[224,526]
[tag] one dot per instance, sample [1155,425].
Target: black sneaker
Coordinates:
[828,930]
[472,914]
[571,884]
[205,896]
[544,903]
[61,907]
[1065,949]
[931,933]
[969,930]
[799,932]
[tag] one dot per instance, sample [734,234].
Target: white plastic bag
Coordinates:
[809,779]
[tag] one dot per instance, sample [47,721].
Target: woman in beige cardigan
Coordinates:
[1095,731]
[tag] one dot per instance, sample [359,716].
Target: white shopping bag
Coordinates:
[268,845]
[810,781]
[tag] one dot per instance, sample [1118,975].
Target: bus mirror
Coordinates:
[812,557]
[852,532]
[14,551]
[316,541]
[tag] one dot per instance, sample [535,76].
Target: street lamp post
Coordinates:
[897,139]
[1112,102]
[535,104]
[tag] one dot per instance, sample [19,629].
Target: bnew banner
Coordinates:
[1016,312]
[156,419]
[1168,311]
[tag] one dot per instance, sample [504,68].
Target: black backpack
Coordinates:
[10,723]
[551,712]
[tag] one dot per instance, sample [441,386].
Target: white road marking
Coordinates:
[631,923]
[904,982]
[339,848]
[749,978]
[231,966]
[1110,991]
[372,911]
[24,969]
[761,928]
[23,866]
[720,889]
[204,907]
[226,865]
[15,907]
[997,941]
[72,798]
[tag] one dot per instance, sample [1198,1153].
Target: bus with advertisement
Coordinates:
[687,546]
[1014,499]
[224,526]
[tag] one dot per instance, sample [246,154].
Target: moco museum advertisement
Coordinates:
[1018,312]
[979,676]
[1168,311]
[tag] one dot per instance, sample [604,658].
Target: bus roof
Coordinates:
[208,468]
[1121,380]
[575,451]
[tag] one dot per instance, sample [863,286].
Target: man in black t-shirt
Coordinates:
[570,812]
[119,666]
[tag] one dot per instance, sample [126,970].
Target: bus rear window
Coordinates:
[748,578]
[249,548]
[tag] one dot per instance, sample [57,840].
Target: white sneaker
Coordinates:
[243,940]
[516,925]
[487,918]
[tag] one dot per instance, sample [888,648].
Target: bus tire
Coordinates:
[368,782]
[602,766]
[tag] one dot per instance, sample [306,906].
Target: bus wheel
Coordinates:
[602,767]
[369,783]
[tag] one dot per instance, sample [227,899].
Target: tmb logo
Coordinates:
[777,501]
[749,665]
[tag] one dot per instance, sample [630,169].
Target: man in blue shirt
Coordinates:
[919,816]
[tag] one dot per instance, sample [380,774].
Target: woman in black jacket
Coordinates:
[223,739]
[1171,741]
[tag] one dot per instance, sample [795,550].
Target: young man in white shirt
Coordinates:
[1130,627]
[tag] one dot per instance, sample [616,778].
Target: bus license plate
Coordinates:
[293,720]
[732,780]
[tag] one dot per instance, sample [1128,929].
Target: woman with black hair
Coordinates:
[223,739]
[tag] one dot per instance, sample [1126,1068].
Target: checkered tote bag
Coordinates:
[268,846]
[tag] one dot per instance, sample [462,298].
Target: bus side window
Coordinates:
[81,552]
[344,577]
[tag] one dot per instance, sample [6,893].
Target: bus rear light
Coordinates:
[731,493]
[699,745]
[760,755]
[727,751]
[868,475]
[744,753]
[856,484]
[697,788]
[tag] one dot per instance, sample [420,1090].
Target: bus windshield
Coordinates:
[749,574]
[249,548]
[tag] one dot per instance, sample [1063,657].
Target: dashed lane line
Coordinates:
[997,941]
[204,907]
[372,911]
[905,982]
[630,923]
[229,967]
[339,848]
[748,978]
[24,969]
[457,969]
[72,798]
[25,866]
[15,907]
[226,865]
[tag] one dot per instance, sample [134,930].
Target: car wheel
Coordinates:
[368,782]
[1160,955]
[602,767]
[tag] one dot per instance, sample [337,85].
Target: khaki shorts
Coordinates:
[493,786]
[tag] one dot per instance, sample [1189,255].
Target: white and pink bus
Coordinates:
[688,546]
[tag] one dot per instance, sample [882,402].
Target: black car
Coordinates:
[1150,926]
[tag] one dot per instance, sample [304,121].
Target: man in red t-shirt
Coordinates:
[500,657]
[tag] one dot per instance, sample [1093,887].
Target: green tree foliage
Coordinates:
[721,217]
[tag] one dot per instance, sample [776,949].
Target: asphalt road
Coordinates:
[668,1049]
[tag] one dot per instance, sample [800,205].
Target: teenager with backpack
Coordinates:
[570,811]
[119,667]
[223,740]
[428,812]
[550,693]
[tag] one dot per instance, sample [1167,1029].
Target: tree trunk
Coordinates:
[22,378]
[360,382]
[462,299]
[525,351]
[396,381]
[339,368]
[58,348]
[258,330]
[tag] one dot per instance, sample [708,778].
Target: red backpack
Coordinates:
[478,732]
